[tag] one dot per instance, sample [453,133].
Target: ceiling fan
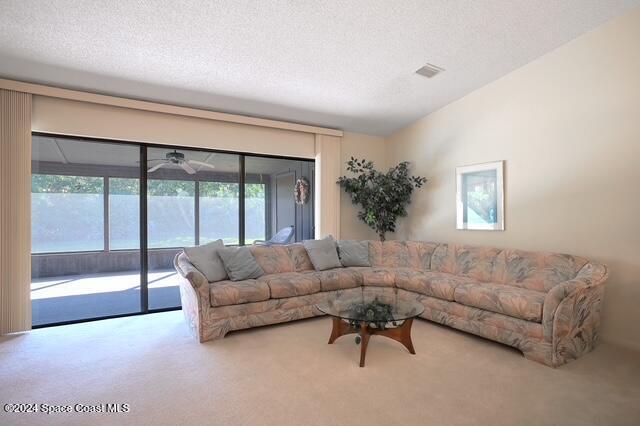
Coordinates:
[178,159]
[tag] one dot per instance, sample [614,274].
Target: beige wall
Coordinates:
[568,127]
[70,117]
[359,146]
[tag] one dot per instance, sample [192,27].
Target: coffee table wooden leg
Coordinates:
[336,331]
[364,334]
[405,335]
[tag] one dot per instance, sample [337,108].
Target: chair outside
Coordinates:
[283,236]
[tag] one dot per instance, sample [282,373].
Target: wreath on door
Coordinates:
[302,191]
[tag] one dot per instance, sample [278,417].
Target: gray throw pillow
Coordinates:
[354,253]
[240,263]
[323,253]
[206,260]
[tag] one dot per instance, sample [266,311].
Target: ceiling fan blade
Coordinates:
[187,168]
[156,167]
[153,159]
[201,164]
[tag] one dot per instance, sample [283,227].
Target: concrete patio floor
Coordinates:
[73,297]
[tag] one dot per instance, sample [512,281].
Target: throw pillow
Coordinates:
[206,260]
[323,253]
[354,253]
[240,263]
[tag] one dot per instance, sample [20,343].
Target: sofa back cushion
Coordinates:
[444,258]
[401,254]
[299,257]
[476,262]
[466,261]
[536,270]
[421,253]
[273,259]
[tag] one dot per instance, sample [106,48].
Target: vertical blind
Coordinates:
[15,207]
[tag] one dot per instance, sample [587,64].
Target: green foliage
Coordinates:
[66,184]
[130,186]
[382,197]
[124,186]
[376,314]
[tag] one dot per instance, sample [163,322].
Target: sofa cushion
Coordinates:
[206,260]
[299,257]
[536,270]
[420,253]
[476,262]
[429,283]
[354,253]
[503,299]
[273,259]
[225,293]
[377,276]
[240,263]
[401,254]
[395,254]
[340,278]
[291,284]
[444,258]
[323,253]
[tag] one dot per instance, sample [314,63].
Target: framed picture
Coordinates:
[480,196]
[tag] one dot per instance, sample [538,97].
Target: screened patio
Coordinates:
[92,258]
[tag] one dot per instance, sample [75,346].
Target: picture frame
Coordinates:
[480,197]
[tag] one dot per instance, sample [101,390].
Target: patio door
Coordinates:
[86,252]
[192,199]
[108,218]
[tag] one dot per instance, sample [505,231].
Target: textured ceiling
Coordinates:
[344,64]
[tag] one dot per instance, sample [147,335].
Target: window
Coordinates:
[124,214]
[255,199]
[67,213]
[269,198]
[84,205]
[171,213]
[219,212]
[88,200]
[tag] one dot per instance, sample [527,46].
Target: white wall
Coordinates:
[568,127]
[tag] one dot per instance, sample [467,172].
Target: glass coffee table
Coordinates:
[371,311]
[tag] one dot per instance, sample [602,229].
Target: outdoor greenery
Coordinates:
[67,213]
[382,197]
[130,186]
[66,184]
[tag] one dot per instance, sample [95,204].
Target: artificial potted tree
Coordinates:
[382,197]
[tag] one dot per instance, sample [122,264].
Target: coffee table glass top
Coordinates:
[370,305]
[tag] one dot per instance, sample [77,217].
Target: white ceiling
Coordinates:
[346,64]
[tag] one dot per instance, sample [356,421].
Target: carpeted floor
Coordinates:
[287,374]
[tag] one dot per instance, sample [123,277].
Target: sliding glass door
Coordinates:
[192,199]
[85,234]
[108,219]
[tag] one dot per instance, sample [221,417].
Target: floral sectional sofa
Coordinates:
[546,305]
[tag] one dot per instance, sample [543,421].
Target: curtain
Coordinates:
[15,211]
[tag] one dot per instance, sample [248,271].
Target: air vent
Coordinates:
[429,71]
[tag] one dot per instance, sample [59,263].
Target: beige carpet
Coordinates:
[287,374]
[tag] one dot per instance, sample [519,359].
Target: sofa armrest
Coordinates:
[193,276]
[194,294]
[571,313]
